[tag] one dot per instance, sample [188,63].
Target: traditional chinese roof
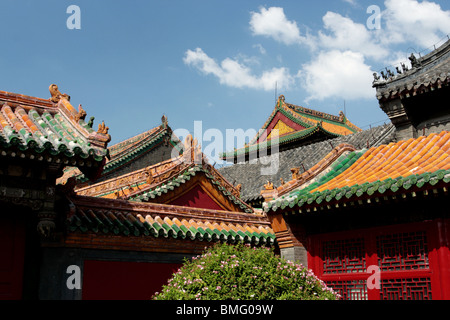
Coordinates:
[117,217]
[127,152]
[396,170]
[166,181]
[51,130]
[254,174]
[293,126]
[428,73]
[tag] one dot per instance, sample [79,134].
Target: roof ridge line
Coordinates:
[166,209]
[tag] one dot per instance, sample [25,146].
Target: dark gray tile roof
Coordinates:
[251,174]
[429,71]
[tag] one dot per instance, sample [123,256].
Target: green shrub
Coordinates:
[238,272]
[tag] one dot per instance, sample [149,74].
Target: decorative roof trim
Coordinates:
[157,179]
[127,218]
[266,145]
[427,73]
[301,179]
[138,146]
[50,128]
[228,191]
[300,116]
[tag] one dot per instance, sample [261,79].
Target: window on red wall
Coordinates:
[122,280]
[402,254]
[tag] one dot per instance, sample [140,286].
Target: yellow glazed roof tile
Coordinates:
[413,156]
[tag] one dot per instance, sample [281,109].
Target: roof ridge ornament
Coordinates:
[414,62]
[81,115]
[280,101]
[56,95]
[102,128]
[192,150]
[164,122]
[268,185]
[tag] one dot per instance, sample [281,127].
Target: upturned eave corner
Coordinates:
[99,138]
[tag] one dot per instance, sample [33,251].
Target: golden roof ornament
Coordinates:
[150,179]
[295,173]
[268,185]
[192,150]
[56,95]
[81,115]
[102,128]
[239,188]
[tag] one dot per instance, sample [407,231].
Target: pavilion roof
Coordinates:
[307,125]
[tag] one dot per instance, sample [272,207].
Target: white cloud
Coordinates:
[234,74]
[261,49]
[396,59]
[340,52]
[423,23]
[337,74]
[352,2]
[348,35]
[273,23]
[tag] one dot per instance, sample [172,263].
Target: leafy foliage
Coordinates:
[239,272]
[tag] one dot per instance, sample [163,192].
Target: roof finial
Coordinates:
[414,62]
[81,115]
[164,121]
[295,173]
[102,128]
[268,185]
[56,94]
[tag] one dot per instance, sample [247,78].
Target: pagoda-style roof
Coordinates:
[402,170]
[254,174]
[291,126]
[427,73]
[181,180]
[51,131]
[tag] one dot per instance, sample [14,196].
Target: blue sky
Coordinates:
[214,61]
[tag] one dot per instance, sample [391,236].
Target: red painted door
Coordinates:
[123,280]
[12,251]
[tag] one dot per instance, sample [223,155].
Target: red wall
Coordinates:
[196,198]
[121,280]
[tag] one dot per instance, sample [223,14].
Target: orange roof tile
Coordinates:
[51,128]
[422,162]
[414,156]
